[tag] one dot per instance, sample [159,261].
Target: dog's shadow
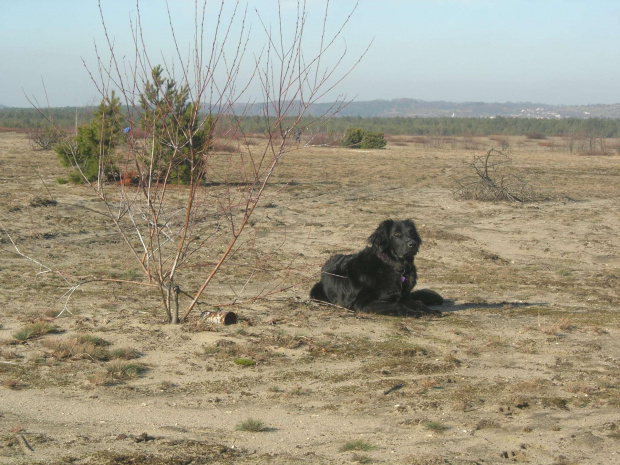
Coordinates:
[450,306]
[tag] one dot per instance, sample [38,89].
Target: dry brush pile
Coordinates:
[491,177]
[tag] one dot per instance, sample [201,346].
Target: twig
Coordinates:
[25,443]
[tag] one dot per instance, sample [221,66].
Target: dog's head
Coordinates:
[400,239]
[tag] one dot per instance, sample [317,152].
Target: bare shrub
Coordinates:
[421,140]
[438,142]
[489,178]
[324,138]
[589,144]
[187,117]
[569,143]
[503,141]
[550,144]
[593,145]
[535,136]
[224,147]
[470,143]
[45,138]
[397,141]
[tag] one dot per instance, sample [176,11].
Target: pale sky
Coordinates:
[543,51]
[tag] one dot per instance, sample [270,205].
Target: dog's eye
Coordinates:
[398,234]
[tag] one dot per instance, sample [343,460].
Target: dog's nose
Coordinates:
[411,244]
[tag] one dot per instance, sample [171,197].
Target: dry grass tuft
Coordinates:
[125,353]
[357,444]
[435,426]
[357,458]
[76,349]
[427,384]
[251,424]
[35,330]
[88,347]
[562,326]
[117,371]
[12,384]
[120,370]
[581,388]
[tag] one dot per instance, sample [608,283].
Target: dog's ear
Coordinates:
[380,239]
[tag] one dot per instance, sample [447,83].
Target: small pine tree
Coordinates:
[90,151]
[357,138]
[353,138]
[179,137]
[373,140]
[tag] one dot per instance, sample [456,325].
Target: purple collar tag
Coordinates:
[402,279]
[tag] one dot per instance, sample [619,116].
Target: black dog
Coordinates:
[380,278]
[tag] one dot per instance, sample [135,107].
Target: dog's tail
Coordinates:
[318,293]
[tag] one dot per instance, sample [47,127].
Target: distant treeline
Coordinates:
[479,126]
[66,117]
[26,118]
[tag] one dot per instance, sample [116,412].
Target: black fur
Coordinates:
[380,278]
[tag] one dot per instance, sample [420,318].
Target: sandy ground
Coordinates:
[522,367]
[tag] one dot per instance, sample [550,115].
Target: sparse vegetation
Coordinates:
[299,391]
[43,202]
[528,343]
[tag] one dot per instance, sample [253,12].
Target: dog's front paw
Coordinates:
[434,312]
